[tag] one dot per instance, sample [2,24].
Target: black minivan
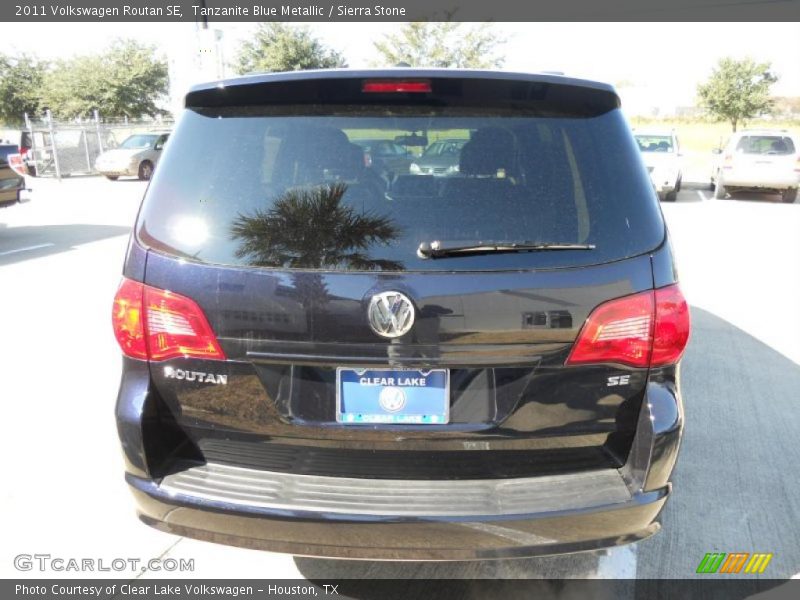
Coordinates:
[326,358]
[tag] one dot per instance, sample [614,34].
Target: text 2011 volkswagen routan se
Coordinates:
[323,356]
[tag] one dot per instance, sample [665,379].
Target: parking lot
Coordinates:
[736,488]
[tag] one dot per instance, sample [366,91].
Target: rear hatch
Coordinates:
[762,158]
[327,279]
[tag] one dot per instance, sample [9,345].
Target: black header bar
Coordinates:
[32,11]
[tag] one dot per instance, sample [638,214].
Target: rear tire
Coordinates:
[112,177]
[789,196]
[719,191]
[145,170]
[671,196]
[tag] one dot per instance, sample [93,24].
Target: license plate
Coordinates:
[405,396]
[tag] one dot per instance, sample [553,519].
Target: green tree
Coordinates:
[21,81]
[283,47]
[737,90]
[310,228]
[445,44]
[128,80]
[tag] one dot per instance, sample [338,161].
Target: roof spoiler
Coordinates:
[542,94]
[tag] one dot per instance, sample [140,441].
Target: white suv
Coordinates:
[764,160]
[661,155]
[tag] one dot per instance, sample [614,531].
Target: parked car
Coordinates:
[22,140]
[313,365]
[761,160]
[440,158]
[11,180]
[137,155]
[386,155]
[662,157]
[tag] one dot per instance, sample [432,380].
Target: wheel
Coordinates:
[671,196]
[145,170]
[112,177]
[719,191]
[790,195]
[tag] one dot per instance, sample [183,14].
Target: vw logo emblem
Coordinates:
[392,399]
[390,314]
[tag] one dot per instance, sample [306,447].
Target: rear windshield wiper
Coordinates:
[437,249]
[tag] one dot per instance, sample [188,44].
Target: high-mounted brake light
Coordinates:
[649,329]
[396,86]
[155,324]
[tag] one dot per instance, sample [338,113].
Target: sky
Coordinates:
[652,63]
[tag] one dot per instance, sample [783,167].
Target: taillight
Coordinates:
[648,329]
[396,86]
[150,323]
[727,161]
[24,151]
[17,164]
[671,331]
[128,320]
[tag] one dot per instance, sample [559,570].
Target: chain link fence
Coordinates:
[65,148]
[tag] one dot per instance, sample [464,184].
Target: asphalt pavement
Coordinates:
[735,488]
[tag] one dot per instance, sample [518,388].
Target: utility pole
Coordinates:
[210,57]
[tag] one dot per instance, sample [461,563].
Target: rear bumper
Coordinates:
[422,519]
[665,184]
[377,537]
[745,179]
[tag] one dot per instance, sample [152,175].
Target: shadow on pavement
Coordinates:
[577,565]
[735,485]
[24,243]
[689,192]
[734,492]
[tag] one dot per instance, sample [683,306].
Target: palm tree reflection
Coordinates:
[311,228]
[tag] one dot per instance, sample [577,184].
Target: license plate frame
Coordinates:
[425,405]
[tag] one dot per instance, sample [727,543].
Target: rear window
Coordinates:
[291,187]
[655,143]
[6,149]
[765,144]
[445,148]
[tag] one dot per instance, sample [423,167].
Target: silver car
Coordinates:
[137,156]
[763,160]
[662,157]
[440,158]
